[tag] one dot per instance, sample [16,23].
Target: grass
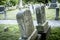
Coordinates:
[51,13]
[11,15]
[12,33]
[55,34]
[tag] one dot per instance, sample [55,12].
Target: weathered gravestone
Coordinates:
[40,14]
[53,4]
[42,27]
[53,1]
[41,19]
[28,31]
[57,13]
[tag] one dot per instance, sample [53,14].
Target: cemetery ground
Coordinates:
[13,32]
[51,13]
[55,34]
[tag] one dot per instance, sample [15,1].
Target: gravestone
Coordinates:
[28,31]
[53,4]
[57,13]
[53,1]
[40,14]
[42,26]
[41,18]
[3,11]
[43,13]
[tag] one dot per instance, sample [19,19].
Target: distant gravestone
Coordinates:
[53,1]
[53,4]
[25,22]
[57,13]
[3,11]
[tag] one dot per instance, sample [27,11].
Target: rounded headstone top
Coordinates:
[20,13]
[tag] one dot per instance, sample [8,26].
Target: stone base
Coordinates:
[34,36]
[42,27]
[45,34]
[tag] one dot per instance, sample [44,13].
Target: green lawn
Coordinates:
[12,33]
[11,14]
[55,34]
[51,13]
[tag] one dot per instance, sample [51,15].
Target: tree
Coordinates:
[59,1]
[14,2]
[26,1]
[34,1]
[9,2]
[2,2]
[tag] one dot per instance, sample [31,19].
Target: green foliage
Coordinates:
[42,1]
[55,34]
[14,2]
[39,1]
[9,2]
[2,2]
[59,1]
[13,33]
[35,1]
[27,1]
